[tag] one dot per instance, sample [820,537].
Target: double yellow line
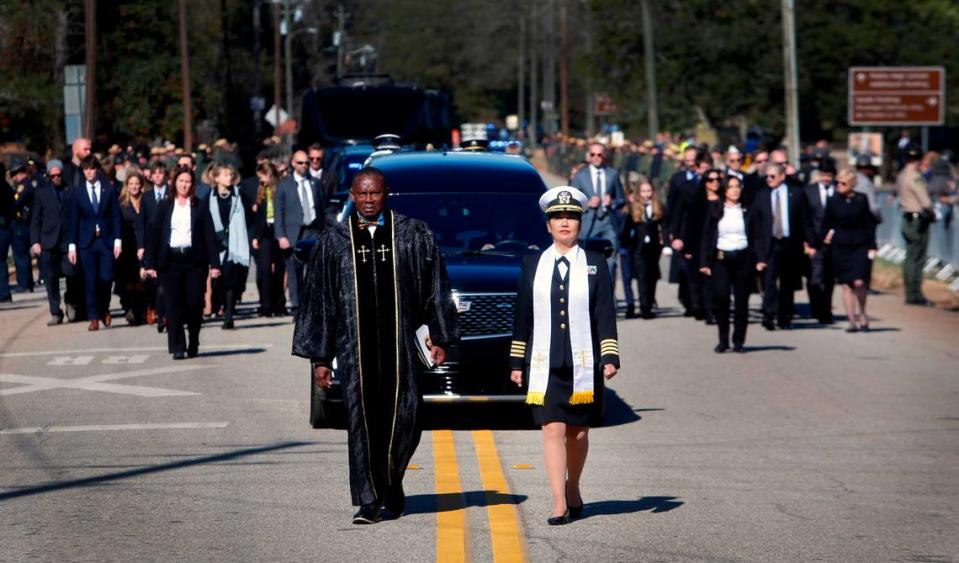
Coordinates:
[506,535]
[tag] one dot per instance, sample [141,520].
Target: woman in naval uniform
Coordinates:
[564,342]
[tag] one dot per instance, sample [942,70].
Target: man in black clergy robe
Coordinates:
[370,282]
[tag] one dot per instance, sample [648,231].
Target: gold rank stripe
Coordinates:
[518,344]
[609,341]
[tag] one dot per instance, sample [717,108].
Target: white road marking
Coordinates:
[134,359]
[121,350]
[32,383]
[111,427]
[70,361]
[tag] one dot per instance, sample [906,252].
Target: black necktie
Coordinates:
[562,271]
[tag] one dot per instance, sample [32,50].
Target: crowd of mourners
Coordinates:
[171,233]
[742,219]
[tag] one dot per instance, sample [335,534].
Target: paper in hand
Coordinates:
[423,345]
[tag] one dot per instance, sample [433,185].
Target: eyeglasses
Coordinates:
[55,175]
[841,183]
[712,179]
[732,160]
[772,176]
[299,162]
[780,163]
[595,154]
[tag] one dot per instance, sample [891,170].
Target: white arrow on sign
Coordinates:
[271,116]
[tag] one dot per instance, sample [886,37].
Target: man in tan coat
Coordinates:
[917,214]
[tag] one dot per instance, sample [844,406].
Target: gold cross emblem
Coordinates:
[363,251]
[539,359]
[383,250]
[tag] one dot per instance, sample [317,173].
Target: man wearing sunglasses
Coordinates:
[604,190]
[48,244]
[298,212]
[780,239]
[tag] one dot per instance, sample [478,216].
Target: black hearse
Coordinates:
[483,209]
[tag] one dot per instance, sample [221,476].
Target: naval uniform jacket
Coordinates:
[602,316]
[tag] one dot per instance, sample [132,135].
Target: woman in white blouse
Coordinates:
[180,250]
[728,260]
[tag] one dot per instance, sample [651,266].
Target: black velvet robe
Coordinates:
[362,301]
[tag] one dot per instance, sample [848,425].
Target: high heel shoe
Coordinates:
[559,520]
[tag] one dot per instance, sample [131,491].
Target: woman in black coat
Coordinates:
[727,260]
[129,284]
[643,236]
[180,251]
[270,265]
[849,228]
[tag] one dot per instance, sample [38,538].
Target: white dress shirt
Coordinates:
[783,194]
[181,234]
[599,184]
[649,215]
[159,192]
[306,204]
[825,191]
[732,229]
[92,189]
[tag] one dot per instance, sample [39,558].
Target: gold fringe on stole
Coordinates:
[535,398]
[579,398]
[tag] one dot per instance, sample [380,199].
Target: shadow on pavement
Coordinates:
[262,325]
[108,477]
[613,507]
[771,348]
[431,504]
[235,352]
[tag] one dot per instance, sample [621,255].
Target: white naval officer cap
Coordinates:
[562,198]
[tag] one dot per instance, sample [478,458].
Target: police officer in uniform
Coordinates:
[917,214]
[564,344]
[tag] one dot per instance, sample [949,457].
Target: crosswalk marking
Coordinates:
[33,383]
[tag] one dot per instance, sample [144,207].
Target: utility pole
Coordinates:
[90,37]
[276,64]
[521,73]
[652,119]
[792,90]
[341,47]
[533,94]
[549,68]
[288,25]
[590,101]
[563,71]
[257,79]
[185,79]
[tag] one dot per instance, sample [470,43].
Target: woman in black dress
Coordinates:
[849,228]
[643,238]
[564,341]
[130,285]
[180,251]
[270,266]
[228,216]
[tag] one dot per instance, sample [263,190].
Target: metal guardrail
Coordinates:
[943,252]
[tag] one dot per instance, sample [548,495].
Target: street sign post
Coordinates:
[896,96]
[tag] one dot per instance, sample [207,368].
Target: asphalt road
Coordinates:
[815,445]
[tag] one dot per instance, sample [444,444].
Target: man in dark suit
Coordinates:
[48,226]
[606,197]
[677,266]
[685,230]
[326,178]
[779,238]
[819,278]
[94,237]
[149,203]
[79,150]
[298,210]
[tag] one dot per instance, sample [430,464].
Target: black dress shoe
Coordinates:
[179,356]
[367,514]
[921,302]
[768,325]
[710,320]
[559,520]
[192,352]
[630,311]
[785,326]
[227,325]
[648,315]
[575,512]
[739,349]
[720,348]
[395,502]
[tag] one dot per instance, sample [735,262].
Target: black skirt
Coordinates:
[556,407]
[851,263]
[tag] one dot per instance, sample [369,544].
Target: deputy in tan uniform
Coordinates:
[917,214]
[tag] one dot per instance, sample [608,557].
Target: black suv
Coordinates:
[484,211]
